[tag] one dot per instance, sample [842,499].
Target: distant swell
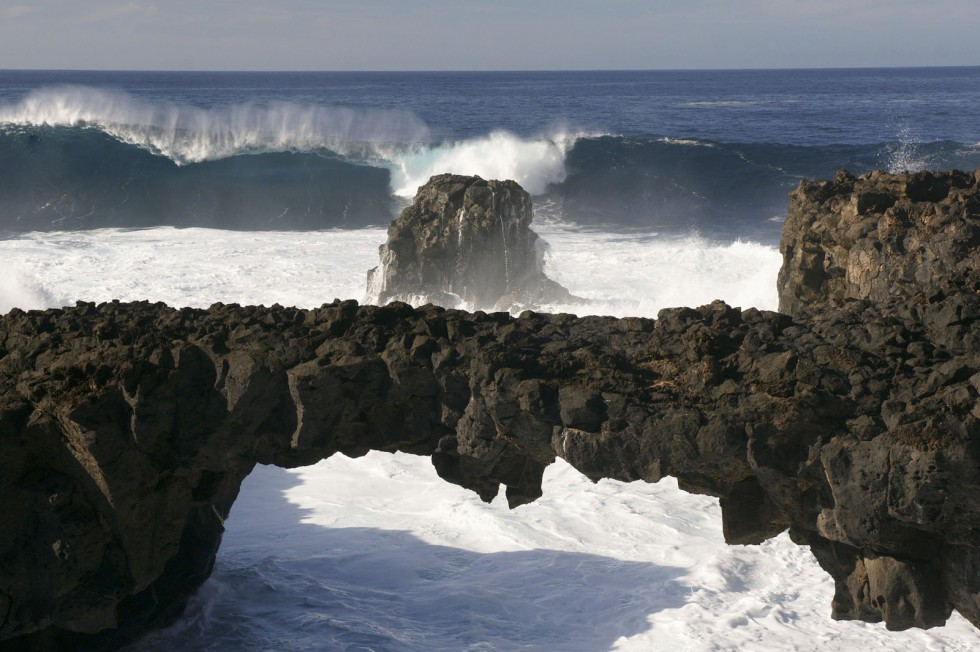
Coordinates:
[76,158]
[715,188]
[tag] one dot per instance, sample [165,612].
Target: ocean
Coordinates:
[651,190]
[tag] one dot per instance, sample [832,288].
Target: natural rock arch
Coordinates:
[126,429]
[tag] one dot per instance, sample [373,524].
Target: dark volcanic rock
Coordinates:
[464,241]
[126,429]
[880,237]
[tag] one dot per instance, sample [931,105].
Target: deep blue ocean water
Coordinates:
[714,152]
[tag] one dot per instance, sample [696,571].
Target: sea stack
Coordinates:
[465,242]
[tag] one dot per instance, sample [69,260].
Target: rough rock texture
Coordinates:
[880,237]
[890,263]
[464,241]
[126,429]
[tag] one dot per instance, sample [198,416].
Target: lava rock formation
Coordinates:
[853,422]
[465,242]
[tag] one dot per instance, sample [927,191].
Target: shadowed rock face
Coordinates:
[126,429]
[464,241]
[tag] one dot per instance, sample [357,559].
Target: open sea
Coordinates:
[651,190]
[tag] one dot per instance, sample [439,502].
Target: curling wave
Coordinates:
[189,134]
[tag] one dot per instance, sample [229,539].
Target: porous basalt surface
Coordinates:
[126,429]
[880,237]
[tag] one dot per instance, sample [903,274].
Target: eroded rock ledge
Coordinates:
[126,429]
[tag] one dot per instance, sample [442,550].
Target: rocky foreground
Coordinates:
[852,420]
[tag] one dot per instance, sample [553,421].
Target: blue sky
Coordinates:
[492,35]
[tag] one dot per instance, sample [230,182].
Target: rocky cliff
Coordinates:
[126,429]
[464,242]
[881,237]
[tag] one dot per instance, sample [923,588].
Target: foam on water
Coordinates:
[617,274]
[380,554]
[187,267]
[532,163]
[625,275]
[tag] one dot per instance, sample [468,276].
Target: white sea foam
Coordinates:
[625,275]
[187,267]
[617,274]
[532,163]
[379,554]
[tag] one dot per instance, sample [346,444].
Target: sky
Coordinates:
[493,35]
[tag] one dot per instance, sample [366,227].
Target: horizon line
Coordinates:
[488,70]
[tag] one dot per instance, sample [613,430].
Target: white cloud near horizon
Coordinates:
[117,11]
[16,11]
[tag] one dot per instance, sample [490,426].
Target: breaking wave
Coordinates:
[535,164]
[190,134]
[76,157]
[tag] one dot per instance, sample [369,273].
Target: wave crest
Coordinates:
[393,139]
[501,155]
[189,134]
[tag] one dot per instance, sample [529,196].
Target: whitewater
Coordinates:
[380,554]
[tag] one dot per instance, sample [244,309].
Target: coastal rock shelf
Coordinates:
[853,422]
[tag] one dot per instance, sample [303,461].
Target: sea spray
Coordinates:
[22,290]
[533,163]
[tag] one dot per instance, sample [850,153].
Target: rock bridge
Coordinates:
[852,420]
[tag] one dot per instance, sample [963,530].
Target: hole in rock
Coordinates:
[378,553]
